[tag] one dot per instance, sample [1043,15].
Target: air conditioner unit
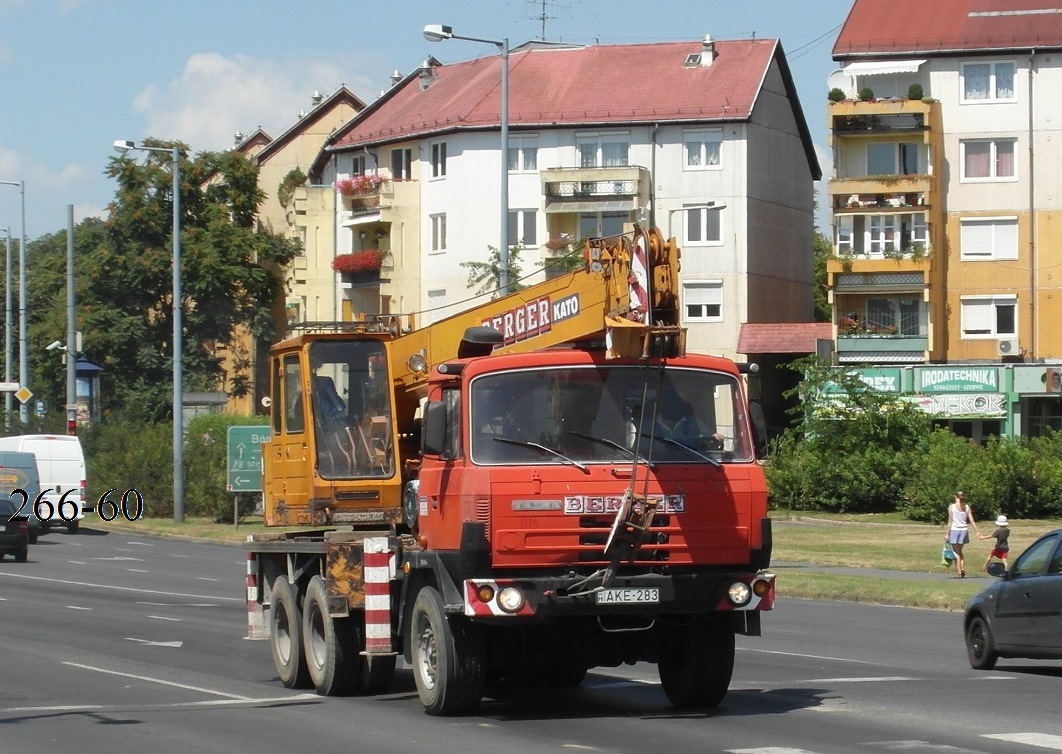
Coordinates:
[1008,346]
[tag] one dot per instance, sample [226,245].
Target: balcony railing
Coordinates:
[596,184]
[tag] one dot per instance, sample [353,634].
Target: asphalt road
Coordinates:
[121,643]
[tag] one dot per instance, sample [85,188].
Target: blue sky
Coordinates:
[78,74]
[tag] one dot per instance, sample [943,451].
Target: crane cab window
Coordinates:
[294,419]
[350,398]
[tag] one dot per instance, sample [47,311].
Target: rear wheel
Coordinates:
[332,658]
[447,658]
[285,636]
[696,667]
[979,645]
[33,536]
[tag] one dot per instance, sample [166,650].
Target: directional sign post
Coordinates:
[245,458]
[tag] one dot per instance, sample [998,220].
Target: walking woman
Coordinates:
[960,519]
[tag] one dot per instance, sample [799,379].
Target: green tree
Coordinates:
[487,275]
[124,280]
[822,250]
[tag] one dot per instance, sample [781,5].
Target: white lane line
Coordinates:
[171,644]
[154,592]
[810,657]
[204,578]
[770,750]
[174,705]
[77,562]
[121,557]
[137,570]
[175,604]
[184,686]
[163,617]
[1042,740]
[180,556]
[77,607]
[141,544]
[869,679]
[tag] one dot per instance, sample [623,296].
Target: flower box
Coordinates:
[359,185]
[362,263]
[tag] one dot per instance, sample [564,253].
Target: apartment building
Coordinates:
[947,208]
[703,139]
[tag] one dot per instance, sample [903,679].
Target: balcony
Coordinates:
[885,193]
[874,118]
[610,189]
[891,349]
[871,267]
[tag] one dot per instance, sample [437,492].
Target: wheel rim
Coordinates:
[282,634]
[316,639]
[427,657]
[977,640]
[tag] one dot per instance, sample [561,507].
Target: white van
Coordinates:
[61,468]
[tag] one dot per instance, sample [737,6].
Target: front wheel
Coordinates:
[698,662]
[979,645]
[332,658]
[447,658]
[285,636]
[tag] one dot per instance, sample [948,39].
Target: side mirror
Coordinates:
[997,569]
[434,430]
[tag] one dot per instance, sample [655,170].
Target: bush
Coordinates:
[914,91]
[866,94]
[836,95]
[206,470]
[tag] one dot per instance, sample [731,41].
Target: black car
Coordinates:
[1021,614]
[14,535]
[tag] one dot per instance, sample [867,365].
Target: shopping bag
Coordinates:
[947,555]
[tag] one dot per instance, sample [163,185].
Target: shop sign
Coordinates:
[956,405]
[969,379]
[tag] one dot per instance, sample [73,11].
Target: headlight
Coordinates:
[485,593]
[510,599]
[739,593]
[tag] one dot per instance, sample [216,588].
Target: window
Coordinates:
[522,227]
[438,160]
[879,235]
[603,150]
[601,224]
[987,159]
[989,316]
[438,232]
[702,149]
[523,156]
[294,422]
[892,158]
[357,166]
[988,238]
[703,226]
[401,164]
[703,301]
[894,316]
[986,82]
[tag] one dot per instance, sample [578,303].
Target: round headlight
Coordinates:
[510,599]
[485,593]
[739,593]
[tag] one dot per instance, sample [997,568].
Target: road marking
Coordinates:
[163,617]
[121,588]
[145,642]
[141,544]
[77,562]
[176,604]
[869,679]
[121,557]
[184,686]
[770,750]
[77,607]
[137,570]
[1043,740]
[811,657]
[204,578]
[180,556]
[238,702]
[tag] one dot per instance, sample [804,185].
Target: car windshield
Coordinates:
[608,414]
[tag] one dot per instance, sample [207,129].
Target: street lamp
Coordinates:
[7,331]
[440,33]
[23,356]
[178,393]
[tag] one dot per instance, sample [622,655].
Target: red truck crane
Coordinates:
[541,485]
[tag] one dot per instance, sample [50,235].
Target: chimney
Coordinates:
[237,138]
[317,97]
[427,75]
[396,76]
[707,51]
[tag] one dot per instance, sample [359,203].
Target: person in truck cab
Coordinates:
[676,420]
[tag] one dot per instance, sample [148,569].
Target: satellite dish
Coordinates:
[841,80]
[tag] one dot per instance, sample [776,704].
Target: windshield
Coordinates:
[588,414]
[351,403]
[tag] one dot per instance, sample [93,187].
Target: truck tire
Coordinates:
[329,644]
[696,666]
[447,658]
[285,636]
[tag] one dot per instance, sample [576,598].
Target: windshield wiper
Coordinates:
[689,450]
[614,445]
[545,449]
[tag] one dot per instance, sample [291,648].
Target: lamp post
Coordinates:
[178,392]
[439,33]
[7,330]
[23,355]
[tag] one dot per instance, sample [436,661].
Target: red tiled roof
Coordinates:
[887,27]
[599,84]
[782,337]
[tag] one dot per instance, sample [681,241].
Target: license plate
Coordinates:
[628,596]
